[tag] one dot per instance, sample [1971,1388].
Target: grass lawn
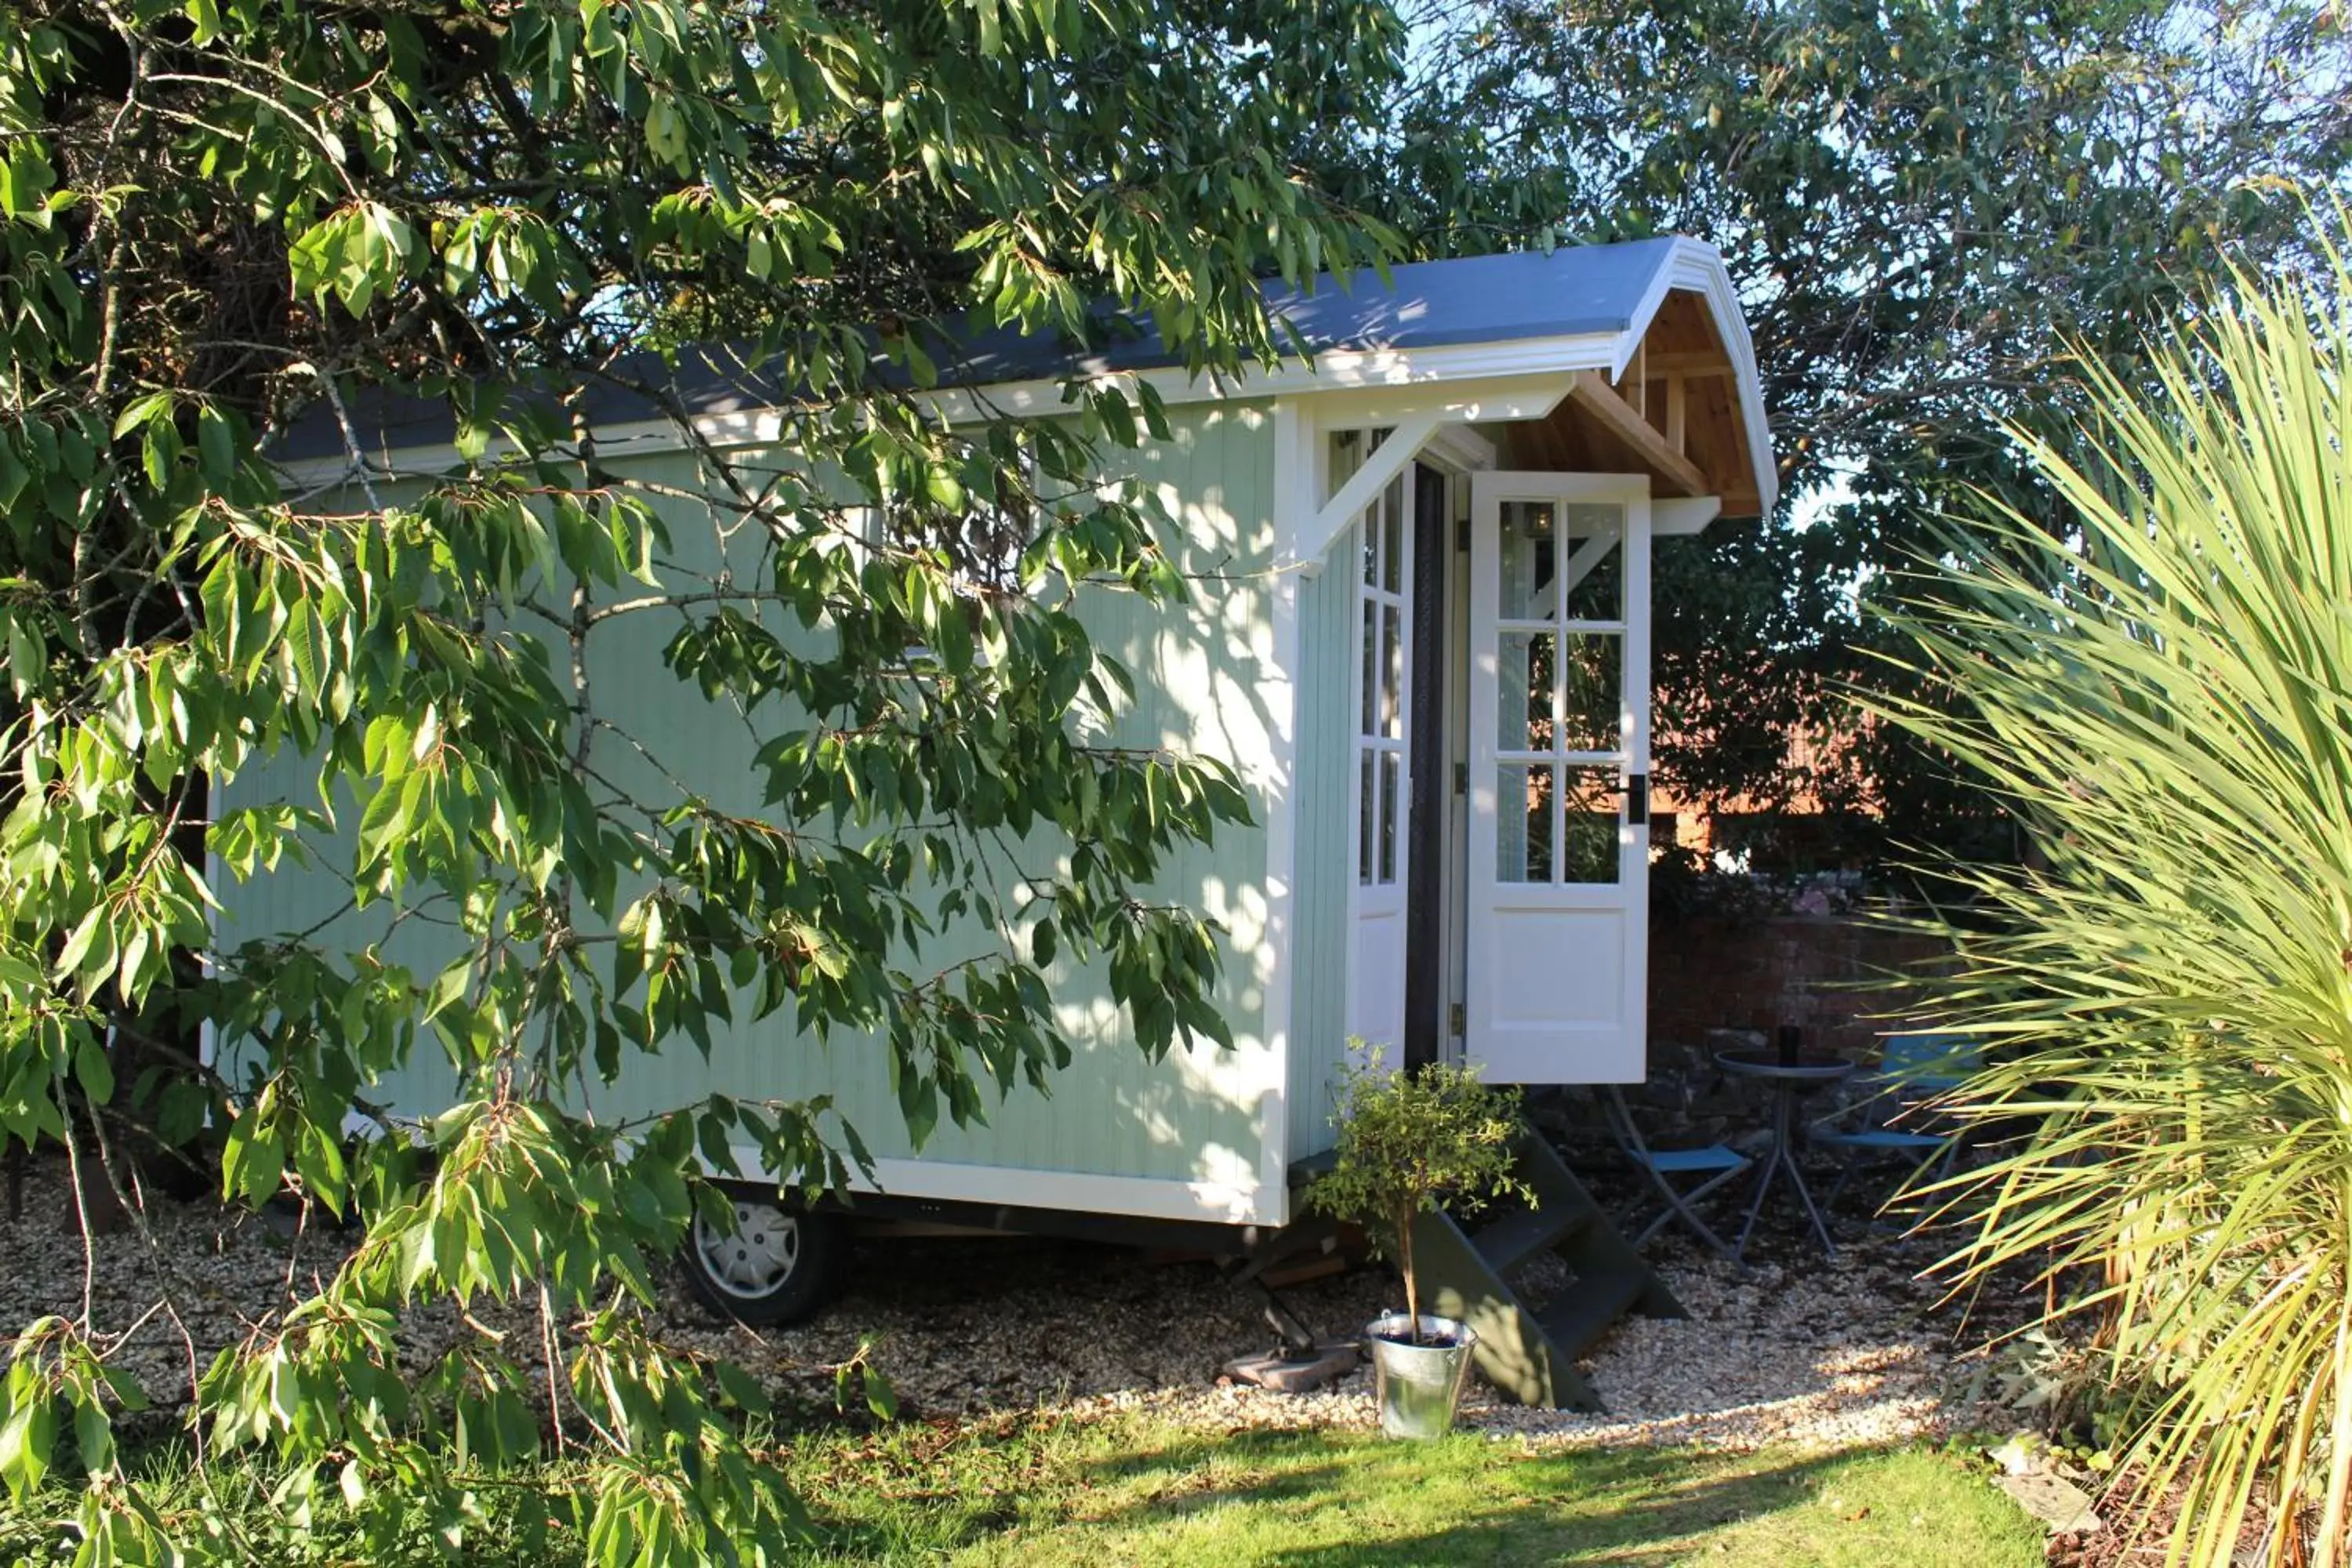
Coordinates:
[1135,1492]
[1114,1492]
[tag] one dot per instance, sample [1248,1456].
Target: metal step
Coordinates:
[1513,1239]
[1588,1309]
[1533,1359]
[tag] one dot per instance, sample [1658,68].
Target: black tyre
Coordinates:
[777,1265]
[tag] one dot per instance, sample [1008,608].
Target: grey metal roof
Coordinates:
[1425,304]
[1570,292]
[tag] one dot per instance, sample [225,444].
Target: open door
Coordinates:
[1558,880]
[1383,782]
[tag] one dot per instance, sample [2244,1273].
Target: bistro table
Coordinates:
[1790,1078]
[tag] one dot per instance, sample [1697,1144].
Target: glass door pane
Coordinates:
[1592,691]
[1559,708]
[1593,581]
[1382,719]
[1523,824]
[1589,825]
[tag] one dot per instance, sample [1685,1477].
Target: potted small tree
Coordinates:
[1409,1141]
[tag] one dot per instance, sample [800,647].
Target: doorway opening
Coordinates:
[1430,895]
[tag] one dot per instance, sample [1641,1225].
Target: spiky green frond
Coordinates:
[2163,690]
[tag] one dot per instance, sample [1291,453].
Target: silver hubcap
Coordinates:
[758,1259]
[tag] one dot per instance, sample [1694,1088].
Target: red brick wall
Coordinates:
[1708,973]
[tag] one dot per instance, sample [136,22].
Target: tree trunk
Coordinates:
[1404,1267]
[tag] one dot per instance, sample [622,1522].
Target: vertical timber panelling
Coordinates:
[1195,1115]
[1325,866]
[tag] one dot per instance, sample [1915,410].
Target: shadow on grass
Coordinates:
[1069,1494]
[1291,1499]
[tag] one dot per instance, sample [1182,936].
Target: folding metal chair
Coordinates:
[1718,1163]
[1914,1069]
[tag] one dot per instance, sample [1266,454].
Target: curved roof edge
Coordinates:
[1699,267]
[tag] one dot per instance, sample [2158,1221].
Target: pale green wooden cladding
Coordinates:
[1324,851]
[1203,671]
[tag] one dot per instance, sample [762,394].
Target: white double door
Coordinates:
[1554,867]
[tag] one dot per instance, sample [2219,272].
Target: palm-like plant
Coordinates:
[2164,690]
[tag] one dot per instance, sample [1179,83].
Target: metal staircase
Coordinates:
[1531,1355]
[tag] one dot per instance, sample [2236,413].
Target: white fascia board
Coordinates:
[1335,371]
[1413,372]
[1481,399]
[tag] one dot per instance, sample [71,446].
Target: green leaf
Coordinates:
[90,947]
[665,132]
[880,1397]
[742,1390]
[215,445]
[27,663]
[261,1170]
[919,1107]
[94,1071]
[140,411]
[93,1436]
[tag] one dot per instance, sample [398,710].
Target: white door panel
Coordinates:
[1558,883]
[1377,1014]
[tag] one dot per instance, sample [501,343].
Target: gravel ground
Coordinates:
[1793,1350]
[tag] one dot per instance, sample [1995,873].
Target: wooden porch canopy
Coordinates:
[1675,414]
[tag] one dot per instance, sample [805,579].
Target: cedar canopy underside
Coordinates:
[1676,416]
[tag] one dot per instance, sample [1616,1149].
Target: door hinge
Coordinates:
[1456,1023]
[1461,778]
[1461,534]
[1637,799]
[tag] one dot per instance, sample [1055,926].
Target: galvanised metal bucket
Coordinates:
[1418,1385]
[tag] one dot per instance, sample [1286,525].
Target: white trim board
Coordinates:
[1684,514]
[1079,1192]
[1294,434]
[1404,444]
[1387,371]
[1463,448]
[1076,1192]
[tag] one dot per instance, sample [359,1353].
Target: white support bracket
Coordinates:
[1384,463]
